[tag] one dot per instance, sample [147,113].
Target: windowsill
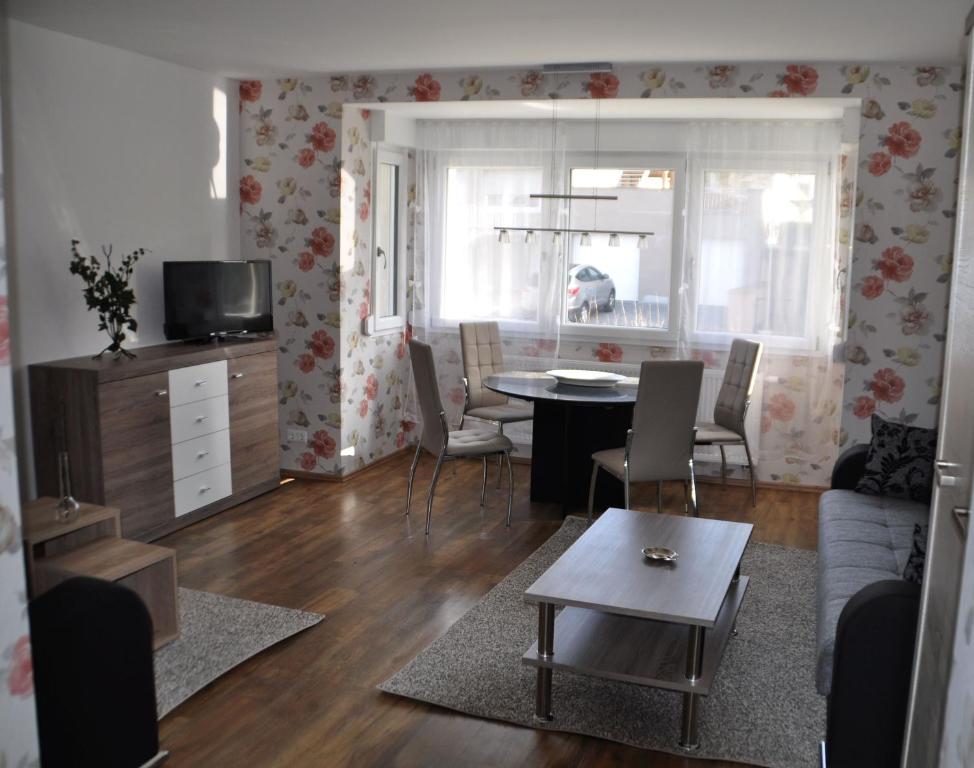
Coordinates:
[636,336]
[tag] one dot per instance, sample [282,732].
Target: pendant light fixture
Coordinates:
[504,237]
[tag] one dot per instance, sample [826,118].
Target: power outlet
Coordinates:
[297,436]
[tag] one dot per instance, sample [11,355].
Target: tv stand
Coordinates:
[178,433]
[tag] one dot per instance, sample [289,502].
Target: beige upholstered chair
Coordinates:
[482,357]
[660,444]
[444,444]
[731,407]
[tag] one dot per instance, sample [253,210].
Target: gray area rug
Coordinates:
[216,634]
[763,708]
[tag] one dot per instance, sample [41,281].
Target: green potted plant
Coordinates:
[107,290]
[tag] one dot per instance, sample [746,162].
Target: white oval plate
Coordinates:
[577,378]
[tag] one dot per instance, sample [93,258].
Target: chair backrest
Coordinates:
[735,390]
[663,420]
[480,344]
[428,395]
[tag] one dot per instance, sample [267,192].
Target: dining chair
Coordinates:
[731,407]
[659,446]
[483,356]
[447,445]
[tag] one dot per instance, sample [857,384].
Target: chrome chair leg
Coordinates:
[686,497]
[483,485]
[693,492]
[412,474]
[750,469]
[723,464]
[626,486]
[429,498]
[510,489]
[591,490]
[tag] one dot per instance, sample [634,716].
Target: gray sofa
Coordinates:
[867,617]
[861,540]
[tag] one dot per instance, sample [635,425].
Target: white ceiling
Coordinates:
[259,38]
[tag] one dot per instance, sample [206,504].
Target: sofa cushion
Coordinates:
[900,461]
[861,540]
[918,555]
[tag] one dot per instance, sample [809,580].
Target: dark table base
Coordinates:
[564,438]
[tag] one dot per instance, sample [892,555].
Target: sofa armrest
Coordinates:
[849,467]
[95,691]
[874,645]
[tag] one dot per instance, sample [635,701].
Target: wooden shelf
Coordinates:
[633,650]
[40,525]
[148,570]
[109,559]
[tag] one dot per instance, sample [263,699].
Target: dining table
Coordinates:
[571,423]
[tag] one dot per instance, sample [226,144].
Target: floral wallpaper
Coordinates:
[305,202]
[18,728]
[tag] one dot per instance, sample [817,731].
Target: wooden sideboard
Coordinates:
[181,432]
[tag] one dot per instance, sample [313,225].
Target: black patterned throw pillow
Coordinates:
[899,462]
[918,555]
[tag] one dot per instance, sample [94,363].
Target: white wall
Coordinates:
[107,146]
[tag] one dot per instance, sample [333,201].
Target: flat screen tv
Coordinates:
[216,298]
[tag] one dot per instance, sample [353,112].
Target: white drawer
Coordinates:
[200,453]
[197,419]
[201,489]
[197,382]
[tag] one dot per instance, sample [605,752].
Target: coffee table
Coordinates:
[646,622]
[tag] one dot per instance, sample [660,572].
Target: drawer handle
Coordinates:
[236,375]
[204,488]
[199,382]
[162,392]
[201,454]
[201,419]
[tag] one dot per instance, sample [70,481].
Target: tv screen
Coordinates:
[214,298]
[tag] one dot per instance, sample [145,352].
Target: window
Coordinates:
[478,276]
[760,239]
[388,253]
[742,240]
[626,281]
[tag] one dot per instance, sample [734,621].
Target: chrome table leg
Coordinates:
[691,701]
[546,641]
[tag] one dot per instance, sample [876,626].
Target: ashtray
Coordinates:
[660,553]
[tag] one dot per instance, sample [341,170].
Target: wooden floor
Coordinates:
[347,551]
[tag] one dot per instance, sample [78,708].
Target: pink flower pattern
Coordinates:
[906,168]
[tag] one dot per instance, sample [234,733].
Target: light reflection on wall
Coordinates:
[218,179]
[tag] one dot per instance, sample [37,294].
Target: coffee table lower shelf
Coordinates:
[635,650]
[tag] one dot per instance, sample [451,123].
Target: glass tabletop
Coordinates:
[533,385]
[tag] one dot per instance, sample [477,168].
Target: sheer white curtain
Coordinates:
[765,261]
[471,178]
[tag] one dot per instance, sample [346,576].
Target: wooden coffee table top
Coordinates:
[605,569]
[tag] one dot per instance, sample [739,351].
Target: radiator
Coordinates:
[520,432]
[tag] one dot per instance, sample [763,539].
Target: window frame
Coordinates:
[377,325]
[676,161]
[435,318]
[824,171]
